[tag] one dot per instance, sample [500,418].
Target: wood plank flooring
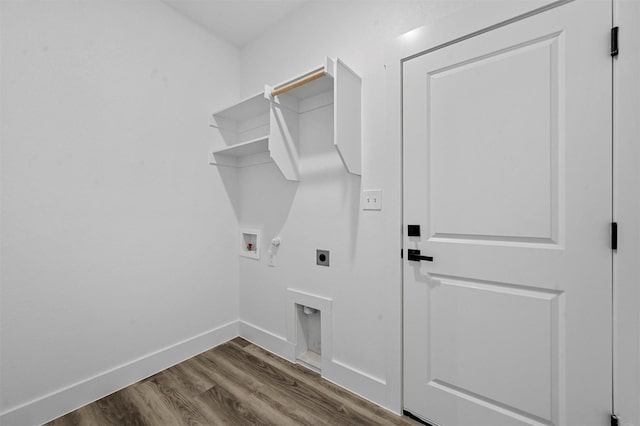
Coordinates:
[236,383]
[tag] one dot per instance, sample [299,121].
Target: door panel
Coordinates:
[498,328]
[511,175]
[507,168]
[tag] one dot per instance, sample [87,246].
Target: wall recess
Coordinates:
[250,243]
[309,329]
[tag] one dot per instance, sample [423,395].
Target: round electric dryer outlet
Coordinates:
[322,257]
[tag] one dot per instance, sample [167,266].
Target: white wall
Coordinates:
[323,210]
[114,227]
[115,232]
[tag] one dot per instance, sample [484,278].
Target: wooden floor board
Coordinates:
[188,412]
[116,409]
[314,380]
[287,408]
[244,387]
[286,387]
[236,383]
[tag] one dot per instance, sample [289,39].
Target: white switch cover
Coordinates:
[372,199]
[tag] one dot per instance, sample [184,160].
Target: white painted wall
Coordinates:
[114,227]
[116,234]
[323,210]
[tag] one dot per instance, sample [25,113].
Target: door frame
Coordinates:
[626,211]
[480,18]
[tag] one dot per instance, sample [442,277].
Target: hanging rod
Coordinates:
[297,83]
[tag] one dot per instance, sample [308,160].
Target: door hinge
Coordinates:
[614,420]
[614,235]
[614,41]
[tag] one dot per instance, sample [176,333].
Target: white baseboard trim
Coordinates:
[356,381]
[67,399]
[268,341]
[362,384]
[72,397]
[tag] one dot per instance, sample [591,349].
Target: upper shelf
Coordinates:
[304,86]
[253,106]
[268,122]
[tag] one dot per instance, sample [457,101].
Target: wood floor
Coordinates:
[236,383]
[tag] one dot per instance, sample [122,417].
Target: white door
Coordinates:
[507,170]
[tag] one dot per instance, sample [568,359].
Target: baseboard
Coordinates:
[356,381]
[268,341]
[72,397]
[65,400]
[362,384]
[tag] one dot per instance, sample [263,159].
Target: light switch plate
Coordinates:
[372,199]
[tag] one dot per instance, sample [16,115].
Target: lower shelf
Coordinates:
[249,153]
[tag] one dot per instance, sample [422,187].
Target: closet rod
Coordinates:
[316,75]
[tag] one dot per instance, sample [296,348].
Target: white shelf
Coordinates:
[264,128]
[252,106]
[243,122]
[313,88]
[339,86]
[251,147]
[244,128]
[244,154]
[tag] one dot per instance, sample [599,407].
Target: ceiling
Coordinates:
[236,21]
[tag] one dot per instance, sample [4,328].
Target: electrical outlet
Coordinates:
[372,199]
[322,257]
